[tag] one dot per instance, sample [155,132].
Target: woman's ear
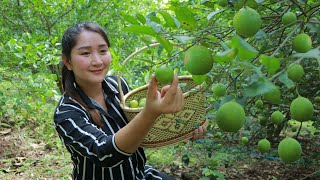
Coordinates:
[66,62]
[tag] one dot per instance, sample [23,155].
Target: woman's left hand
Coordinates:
[200,132]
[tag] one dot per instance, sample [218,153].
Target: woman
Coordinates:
[88,118]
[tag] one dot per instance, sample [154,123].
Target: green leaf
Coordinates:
[314,27]
[147,39]
[168,19]
[250,67]
[240,3]
[285,80]
[199,79]
[245,50]
[207,3]
[302,1]
[184,39]
[271,64]
[165,43]
[155,19]
[313,53]
[141,18]
[258,88]
[137,29]
[152,17]
[19,55]
[185,17]
[213,14]
[155,26]
[225,56]
[130,19]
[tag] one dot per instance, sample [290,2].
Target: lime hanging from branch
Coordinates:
[164,74]
[230,117]
[198,60]
[247,22]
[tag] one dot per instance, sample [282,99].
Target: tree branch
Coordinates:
[301,9]
[62,15]
[21,17]
[9,20]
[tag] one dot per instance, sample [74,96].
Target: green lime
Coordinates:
[244,140]
[198,60]
[230,117]
[259,103]
[295,72]
[164,74]
[277,117]
[134,104]
[302,43]
[301,109]
[288,18]
[273,96]
[219,90]
[289,150]
[247,22]
[142,102]
[264,146]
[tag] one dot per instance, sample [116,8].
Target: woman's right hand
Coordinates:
[170,100]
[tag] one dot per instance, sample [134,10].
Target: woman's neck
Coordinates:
[92,90]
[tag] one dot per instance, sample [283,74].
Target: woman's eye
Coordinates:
[104,51]
[85,53]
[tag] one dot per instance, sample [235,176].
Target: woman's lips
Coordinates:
[97,71]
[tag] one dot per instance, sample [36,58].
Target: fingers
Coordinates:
[179,99]
[173,92]
[174,84]
[164,90]
[152,89]
[169,100]
[199,133]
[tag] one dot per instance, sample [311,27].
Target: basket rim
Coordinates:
[138,109]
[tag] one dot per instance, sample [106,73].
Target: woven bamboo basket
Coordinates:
[169,128]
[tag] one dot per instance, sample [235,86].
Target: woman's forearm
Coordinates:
[130,137]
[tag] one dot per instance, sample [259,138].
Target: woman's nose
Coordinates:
[96,59]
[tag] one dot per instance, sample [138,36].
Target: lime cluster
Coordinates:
[137,103]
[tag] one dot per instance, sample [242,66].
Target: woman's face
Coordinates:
[90,59]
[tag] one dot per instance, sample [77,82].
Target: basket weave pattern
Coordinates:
[171,128]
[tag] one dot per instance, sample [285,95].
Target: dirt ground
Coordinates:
[18,154]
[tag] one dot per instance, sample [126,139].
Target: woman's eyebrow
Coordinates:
[89,47]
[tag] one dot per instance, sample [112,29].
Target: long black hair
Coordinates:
[69,40]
